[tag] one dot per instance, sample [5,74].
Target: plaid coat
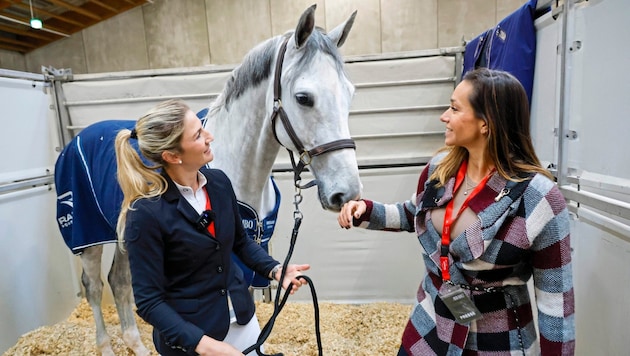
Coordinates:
[522,234]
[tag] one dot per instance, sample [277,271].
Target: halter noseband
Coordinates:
[305,155]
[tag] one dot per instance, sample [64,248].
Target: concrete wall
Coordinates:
[12,60]
[189,33]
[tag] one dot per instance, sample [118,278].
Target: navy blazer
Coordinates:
[181,274]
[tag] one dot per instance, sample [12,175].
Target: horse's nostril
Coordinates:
[338,199]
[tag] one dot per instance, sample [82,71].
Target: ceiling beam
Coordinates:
[4,5]
[25,21]
[51,14]
[17,42]
[12,48]
[76,9]
[32,34]
[105,6]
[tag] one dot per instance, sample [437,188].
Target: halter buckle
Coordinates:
[277,103]
[305,158]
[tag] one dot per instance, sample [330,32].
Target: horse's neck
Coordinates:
[245,148]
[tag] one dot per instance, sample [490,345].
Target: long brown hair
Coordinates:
[159,130]
[498,98]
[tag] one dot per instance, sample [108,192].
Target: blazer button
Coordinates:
[223,292]
[220,269]
[218,247]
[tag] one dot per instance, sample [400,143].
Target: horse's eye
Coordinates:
[304,99]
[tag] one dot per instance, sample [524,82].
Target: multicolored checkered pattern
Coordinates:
[523,235]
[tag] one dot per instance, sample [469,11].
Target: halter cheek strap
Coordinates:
[305,155]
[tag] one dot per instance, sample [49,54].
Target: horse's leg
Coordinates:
[120,280]
[91,279]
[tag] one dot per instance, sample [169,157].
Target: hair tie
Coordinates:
[134,134]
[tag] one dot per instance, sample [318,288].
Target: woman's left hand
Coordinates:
[293,271]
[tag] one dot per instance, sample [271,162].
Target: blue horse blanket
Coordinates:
[509,46]
[89,197]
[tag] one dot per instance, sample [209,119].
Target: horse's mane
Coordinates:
[256,66]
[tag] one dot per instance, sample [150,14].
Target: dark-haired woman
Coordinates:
[489,218]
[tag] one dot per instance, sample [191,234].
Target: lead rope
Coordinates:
[279,304]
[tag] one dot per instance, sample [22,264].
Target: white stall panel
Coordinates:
[601,265]
[38,283]
[600,88]
[355,265]
[38,286]
[27,129]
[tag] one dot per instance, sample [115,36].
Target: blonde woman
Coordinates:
[180,224]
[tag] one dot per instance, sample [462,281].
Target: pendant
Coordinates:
[465,192]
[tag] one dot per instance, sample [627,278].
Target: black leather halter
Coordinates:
[305,155]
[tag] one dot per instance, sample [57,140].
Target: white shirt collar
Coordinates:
[197,199]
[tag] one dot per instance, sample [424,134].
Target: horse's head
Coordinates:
[315,94]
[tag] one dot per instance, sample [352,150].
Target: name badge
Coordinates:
[459,304]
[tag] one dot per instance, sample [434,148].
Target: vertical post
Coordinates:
[564,98]
[56,77]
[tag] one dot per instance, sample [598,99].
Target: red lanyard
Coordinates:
[209,207]
[449,219]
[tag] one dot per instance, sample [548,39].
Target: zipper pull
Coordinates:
[503,193]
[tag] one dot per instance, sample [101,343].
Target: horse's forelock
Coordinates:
[319,42]
[255,68]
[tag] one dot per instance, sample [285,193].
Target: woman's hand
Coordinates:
[293,271]
[208,346]
[351,209]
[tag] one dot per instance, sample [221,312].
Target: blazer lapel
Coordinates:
[172,194]
[497,201]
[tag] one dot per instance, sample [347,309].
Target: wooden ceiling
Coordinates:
[61,18]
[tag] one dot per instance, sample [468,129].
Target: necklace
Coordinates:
[468,186]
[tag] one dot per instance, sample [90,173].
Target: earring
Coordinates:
[180,161]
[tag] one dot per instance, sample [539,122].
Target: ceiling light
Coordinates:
[36,23]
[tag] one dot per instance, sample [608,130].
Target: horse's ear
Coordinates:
[305,26]
[339,34]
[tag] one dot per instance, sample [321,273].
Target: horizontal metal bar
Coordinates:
[603,222]
[27,183]
[597,201]
[139,99]
[15,194]
[541,4]
[14,74]
[601,181]
[149,73]
[29,25]
[16,176]
[399,109]
[398,135]
[370,163]
[401,83]
[439,52]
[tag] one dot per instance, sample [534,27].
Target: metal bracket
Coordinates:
[557,11]
[64,74]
